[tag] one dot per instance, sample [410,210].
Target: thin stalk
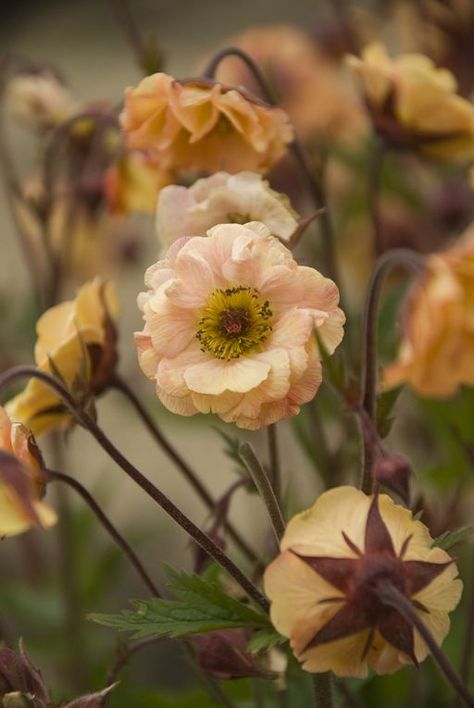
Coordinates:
[259,476]
[125,653]
[323,690]
[392,597]
[374,184]
[207,544]
[107,524]
[351,699]
[468,647]
[120,385]
[132,33]
[274,459]
[368,400]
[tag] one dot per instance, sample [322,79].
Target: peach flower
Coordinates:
[413,104]
[76,341]
[229,326]
[200,125]
[324,586]
[133,184]
[220,199]
[22,482]
[40,99]
[437,353]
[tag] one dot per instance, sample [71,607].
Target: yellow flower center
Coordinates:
[234,322]
[235,217]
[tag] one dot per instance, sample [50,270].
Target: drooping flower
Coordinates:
[22,482]
[40,99]
[222,198]
[437,351]
[325,585]
[199,125]
[413,104]
[76,341]
[229,326]
[133,184]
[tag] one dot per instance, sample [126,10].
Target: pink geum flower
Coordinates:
[222,198]
[230,323]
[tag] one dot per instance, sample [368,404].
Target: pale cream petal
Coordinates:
[215,376]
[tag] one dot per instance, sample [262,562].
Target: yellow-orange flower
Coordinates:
[76,341]
[325,585]
[133,184]
[413,103]
[437,352]
[203,126]
[22,481]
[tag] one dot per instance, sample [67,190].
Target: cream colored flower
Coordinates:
[324,586]
[437,353]
[40,99]
[203,126]
[22,481]
[76,340]
[413,104]
[229,326]
[222,198]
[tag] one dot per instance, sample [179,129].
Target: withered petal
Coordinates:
[347,621]
[420,574]
[337,571]
[377,536]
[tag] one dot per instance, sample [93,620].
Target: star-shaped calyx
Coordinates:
[360,579]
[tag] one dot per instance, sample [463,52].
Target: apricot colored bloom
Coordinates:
[413,104]
[22,482]
[324,586]
[222,198]
[229,326]
[133,184]
[76,341]
[436,355]
[40,99]
[203,126]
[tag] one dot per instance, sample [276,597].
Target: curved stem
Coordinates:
[374,184]
[392,597]
[133,36]
[120,385]
[216,553]
[368,398]
[125,653]
[264,487]
[315,188]
[274,459]
[107,524]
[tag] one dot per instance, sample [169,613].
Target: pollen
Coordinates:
[234,322]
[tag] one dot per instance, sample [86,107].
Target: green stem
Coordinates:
[323,690]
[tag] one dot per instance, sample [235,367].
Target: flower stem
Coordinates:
[466,661]
[207,544]
[107,524]
[134,37]
[368,400]
[120,385]
[259,476]
[373,197]
[392,597]
[323,690]
[274,460]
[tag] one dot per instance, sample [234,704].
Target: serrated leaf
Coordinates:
[448,539]
[201,606]
[264,639]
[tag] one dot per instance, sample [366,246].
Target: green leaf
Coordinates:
[264,639]
[201,606]
[448,539]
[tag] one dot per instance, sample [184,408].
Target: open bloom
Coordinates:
[200,125]
[413,104]
[229,326]
[325,585]
[437,352]
[219,199]
[22,482]
[76,341]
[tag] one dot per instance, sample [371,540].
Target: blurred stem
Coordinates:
[84,419]
[264,487]
[323,690]
[368,400]
[120,385]
[374,188]
[392,597]
[350,699]
[315,187]
[133,35]
[107,524]
[467,654]
[274,460]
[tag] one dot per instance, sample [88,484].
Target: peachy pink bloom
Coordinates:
[230,323]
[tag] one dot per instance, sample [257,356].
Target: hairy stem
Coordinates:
[274,460]
[368,400]
[107,524]
[207,544]
[264,488]
[392,597]
[373,197]
[120,385]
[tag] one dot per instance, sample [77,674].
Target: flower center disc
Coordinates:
[234,322]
